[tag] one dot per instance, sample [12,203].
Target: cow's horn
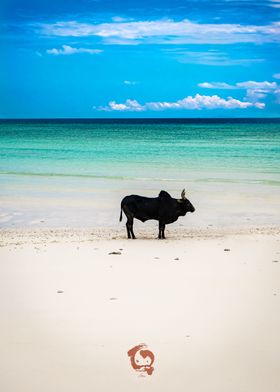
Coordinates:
[183,194]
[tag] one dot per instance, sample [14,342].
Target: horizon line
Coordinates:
[137,118]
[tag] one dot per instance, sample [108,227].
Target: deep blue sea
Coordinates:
[75,165]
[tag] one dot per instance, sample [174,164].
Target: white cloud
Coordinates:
[217,85]
[257,90]
[201,102]
[196,102]
[67,50]
[275,3]
[257,85]
[210,57]
[254,90]
[165,31]
[250,84]
[129,82]
[130,105]
[276,75]
[259,105]
[119,19]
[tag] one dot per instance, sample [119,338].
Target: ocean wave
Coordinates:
[262,181]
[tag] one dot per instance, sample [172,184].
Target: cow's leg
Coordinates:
[129,228]
[129,223]
[160,230]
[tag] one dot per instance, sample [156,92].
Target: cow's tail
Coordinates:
[121,215]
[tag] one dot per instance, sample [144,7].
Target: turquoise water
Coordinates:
[138,150]
[72,159]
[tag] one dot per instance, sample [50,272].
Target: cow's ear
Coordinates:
[180,201]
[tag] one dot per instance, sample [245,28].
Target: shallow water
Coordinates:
[76,172]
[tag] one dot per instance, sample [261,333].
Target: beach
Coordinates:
[76,295]
[73,302]
[140,196]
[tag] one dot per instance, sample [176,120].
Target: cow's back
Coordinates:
[141,207]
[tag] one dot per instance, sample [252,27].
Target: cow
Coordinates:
[164,208]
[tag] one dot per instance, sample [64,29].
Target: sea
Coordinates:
[74,172]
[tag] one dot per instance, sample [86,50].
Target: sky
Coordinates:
[139,58]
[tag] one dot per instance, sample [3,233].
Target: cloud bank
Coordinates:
[196,102]
[254,92]
[166,31]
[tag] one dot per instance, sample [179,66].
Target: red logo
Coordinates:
[141,359]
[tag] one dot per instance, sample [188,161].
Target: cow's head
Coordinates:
[184,204]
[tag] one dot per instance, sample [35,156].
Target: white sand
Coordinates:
[212,318]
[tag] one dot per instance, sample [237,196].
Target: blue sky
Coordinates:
[176,58]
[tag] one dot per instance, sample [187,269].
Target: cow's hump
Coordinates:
[164,194]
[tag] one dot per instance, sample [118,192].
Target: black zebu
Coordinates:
[163,208]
